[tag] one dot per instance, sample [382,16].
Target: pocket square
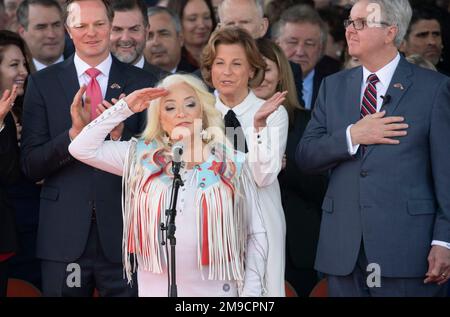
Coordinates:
[115,86]
[399,86]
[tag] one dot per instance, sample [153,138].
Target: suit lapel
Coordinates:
[398,86]
[353,98]
[116,80]
[69,79]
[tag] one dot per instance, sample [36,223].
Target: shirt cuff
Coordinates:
[352,149]
[441,243]
[260,142]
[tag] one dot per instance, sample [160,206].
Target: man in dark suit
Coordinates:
[165,41]
[80,225]
[130,29]
[380,130]
[42,28]
[9,172]
[302,35]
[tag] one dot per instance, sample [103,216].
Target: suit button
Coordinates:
[364,173]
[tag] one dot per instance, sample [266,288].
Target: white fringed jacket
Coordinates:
[230,236]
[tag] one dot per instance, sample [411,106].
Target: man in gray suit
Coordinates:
[381,131]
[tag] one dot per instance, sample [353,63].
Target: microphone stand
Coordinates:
[171,228]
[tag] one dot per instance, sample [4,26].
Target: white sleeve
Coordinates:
[267,148]
[257,244]
[91,148]
[441,243]
[352,149]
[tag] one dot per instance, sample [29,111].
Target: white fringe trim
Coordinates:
[227,224]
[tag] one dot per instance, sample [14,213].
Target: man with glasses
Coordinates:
[380,129]
[302,35]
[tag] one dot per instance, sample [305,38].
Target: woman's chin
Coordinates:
[261,93]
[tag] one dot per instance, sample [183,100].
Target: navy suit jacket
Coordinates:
[9,173]
[395,198]
[71,189]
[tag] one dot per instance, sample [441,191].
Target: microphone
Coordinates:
[386,99]
[177,152]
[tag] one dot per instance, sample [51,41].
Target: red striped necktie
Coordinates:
[369,102]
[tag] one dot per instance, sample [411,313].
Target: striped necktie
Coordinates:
[369,102]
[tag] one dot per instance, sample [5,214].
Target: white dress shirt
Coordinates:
[102,79]
[140,63]
[38,65]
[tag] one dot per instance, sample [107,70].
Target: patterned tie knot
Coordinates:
[373,79]
[93,72]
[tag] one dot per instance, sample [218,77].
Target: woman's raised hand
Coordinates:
[272,104]
[7,102]
[139,100]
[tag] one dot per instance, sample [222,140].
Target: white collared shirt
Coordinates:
[38,65]
[385,75]
[104,67]
[140,63]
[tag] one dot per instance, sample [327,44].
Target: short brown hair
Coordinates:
[107,3]
[233,35]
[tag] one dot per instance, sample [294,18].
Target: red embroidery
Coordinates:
[216,167]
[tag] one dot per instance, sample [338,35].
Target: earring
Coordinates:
[205,136]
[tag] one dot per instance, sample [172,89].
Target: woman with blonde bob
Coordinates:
[221,240]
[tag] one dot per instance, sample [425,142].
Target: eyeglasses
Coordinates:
[360,24]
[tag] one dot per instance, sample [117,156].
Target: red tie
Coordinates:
[369,102]
[93,91]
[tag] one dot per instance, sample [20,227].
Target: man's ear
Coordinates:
[392,33]
[264,26]
[21,30]
[68,30]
